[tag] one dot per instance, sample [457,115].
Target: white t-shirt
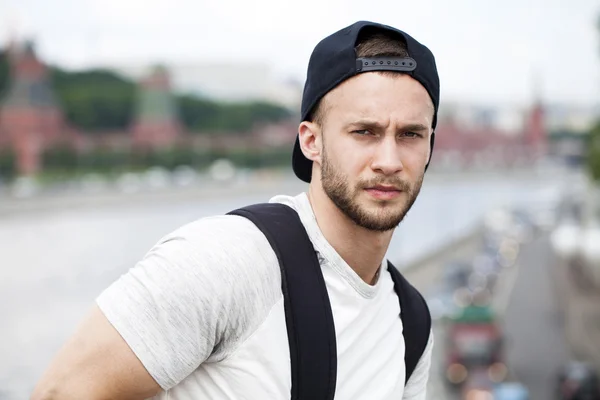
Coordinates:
[203,311]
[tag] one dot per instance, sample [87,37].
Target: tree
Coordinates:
[593,148]
[593,152]
[100,100]
[206,115]
[4,72]
[95,100]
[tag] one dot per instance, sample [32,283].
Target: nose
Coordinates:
[387,159]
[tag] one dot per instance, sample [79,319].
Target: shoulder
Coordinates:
[228,243]
[225,250]
[197,293]
[223,232]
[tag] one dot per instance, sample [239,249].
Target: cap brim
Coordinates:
[302,166]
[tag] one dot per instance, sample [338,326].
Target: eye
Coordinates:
[362,132]
[412,134]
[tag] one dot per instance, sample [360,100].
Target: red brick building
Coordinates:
[30,117]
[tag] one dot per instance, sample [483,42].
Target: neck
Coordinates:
[361,248]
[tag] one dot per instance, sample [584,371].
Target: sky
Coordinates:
[489,52]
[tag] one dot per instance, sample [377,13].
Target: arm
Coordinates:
[194,296]
[96,364]
[416,387]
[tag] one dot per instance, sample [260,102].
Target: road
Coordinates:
[536,332]
[526,300]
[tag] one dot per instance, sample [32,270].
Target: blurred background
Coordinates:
[122,120]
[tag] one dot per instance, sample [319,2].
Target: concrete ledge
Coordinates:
[423,271]
[447,251]
[113,198]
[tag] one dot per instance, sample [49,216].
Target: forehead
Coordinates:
[382,96]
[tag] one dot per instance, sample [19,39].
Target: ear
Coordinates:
[310,139]
[431,144]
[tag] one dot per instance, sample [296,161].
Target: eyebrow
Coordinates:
[374,124]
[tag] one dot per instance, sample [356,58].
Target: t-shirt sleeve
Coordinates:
[416,387]
[194,295]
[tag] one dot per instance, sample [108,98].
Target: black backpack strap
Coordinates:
[416,320]
[310,325]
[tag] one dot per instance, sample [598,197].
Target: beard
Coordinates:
[385,215]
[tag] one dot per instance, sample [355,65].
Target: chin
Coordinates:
[387,217]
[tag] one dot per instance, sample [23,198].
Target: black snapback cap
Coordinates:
[334,60]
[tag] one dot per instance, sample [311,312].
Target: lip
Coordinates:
[384,188]
[384,192]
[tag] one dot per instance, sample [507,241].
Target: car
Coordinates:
[578,381]
[474,347]
[511,391]
[456,275]
[441,303]
[523,226]
[478,386]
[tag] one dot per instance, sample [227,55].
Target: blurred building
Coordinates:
[535,133]
[569,117]
[156,122]
[30,116]
[32,121]
[487,137]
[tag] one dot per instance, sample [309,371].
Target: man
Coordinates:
[201,316]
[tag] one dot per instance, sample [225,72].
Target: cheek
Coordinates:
[348,157]
[415,159]
[358,162]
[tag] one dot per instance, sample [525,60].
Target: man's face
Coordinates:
[375,137]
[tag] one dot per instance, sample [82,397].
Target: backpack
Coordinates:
[309,319]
